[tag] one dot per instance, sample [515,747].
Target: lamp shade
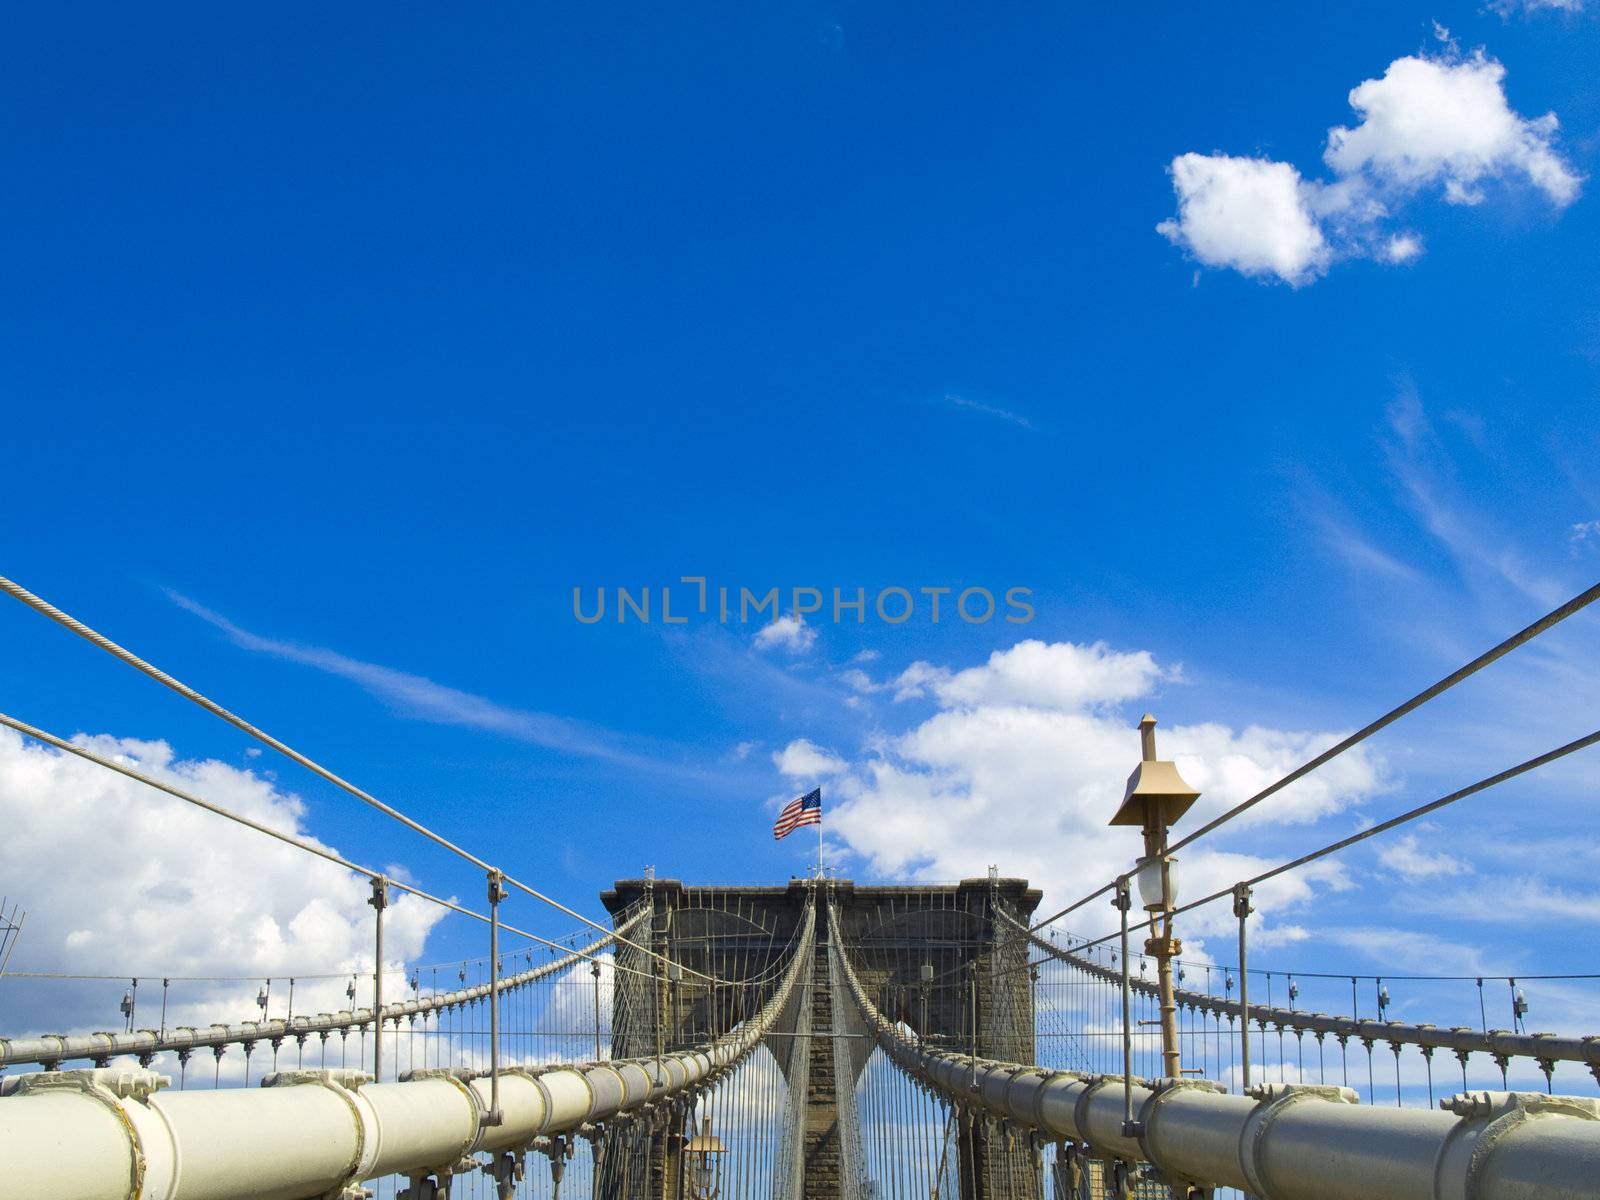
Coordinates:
[1158,883]
[705,1143]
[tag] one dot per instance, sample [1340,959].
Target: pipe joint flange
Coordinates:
[345,1084]
[1271,1101]
[109,1087]
[1162,1090]
[1488,1119]
[1080,1111]
[1029,1115]
[336,1077]
[123,1084]
[1494,1104]
[461,1078]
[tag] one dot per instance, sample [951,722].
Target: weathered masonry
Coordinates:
[950,966]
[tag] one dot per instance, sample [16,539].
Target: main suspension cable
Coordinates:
[1409,815]
[1550,619]
[50,739]
[95,638]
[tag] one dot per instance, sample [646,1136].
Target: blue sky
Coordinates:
[342,346]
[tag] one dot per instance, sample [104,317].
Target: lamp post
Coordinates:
[1155,798]
[705,1152]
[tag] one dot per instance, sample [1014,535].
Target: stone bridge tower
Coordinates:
[981,995]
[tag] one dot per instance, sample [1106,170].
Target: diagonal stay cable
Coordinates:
[95,638]
[1073,907]
[1550,619]
[1372,831]
[50,739]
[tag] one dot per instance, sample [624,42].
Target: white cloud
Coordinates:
[915,680]
[1060,675]
[1024,762]
[1406,858]
[1508,8]
[789,632]
[806,760]
[1401,248]
[1223,763]
[1250,214]
[989,410]
[1430,122]
[167,889]
[1523,900]
[1585,533]
[1405,948]
[1442,121]
[858,680]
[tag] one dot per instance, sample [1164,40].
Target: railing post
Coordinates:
[924,983]
[594,970]
[1123,901]
[379,901]
[497,893]
[1242,910]
[972,1004]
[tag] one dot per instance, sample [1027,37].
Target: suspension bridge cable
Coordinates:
[51,739]
[1409,815]
[256,976]
[1413,814]
[1550,619]
[1073,907]
[76,626]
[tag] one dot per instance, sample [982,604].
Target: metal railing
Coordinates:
[51,1050]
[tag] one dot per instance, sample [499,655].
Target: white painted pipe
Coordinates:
[108,1134]
[1284,1141]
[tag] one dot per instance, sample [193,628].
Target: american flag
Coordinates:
[802,810]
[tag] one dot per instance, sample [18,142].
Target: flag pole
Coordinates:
[819,834]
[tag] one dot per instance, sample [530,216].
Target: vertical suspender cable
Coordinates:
[497,893]
[1122,900]
[379,901]
[1241,909]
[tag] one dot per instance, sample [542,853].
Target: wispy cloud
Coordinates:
[790,632]
[1408,859]
[1524,901]
[1404,948]
[1509,8]
[422,699]
[1423,469]
[988,410]
[1356,550]
[1585,533]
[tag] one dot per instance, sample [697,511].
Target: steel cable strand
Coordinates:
[1554,617]
[183,1039]
[1217,1139]
[104,643]
[1472,789]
